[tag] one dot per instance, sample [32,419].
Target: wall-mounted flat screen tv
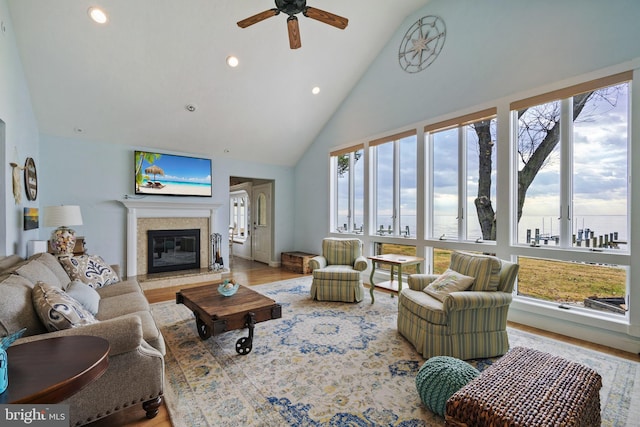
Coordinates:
[171,175]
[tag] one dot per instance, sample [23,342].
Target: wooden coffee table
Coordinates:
[51,370]
[216,313]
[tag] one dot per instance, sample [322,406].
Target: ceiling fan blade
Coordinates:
[326,17]
[294,32]
[257,18]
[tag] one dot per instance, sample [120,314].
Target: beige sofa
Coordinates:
[136,358]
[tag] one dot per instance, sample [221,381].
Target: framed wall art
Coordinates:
[30,179]
[31,218]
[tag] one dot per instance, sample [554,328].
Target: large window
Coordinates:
[572,194]
[564,195]
[348,190]
[573,167]
[463,169]
[394,178]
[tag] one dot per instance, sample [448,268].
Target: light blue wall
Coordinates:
[493,48]
[97,175]
[18,138]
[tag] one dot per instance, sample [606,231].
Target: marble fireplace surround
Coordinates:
[143,215]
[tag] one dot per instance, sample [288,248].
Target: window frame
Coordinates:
[395,140]
[459,123]
[565,209]
[238,221]
[568,253]
[334,222]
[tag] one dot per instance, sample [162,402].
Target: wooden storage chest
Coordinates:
[298,262]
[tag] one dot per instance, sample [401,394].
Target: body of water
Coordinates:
[548,226]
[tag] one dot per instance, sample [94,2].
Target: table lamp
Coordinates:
[63,239]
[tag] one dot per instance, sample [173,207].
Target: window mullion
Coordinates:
[373,189]
[334,208]
[462,183]
[428,205]
[352,184]
[396,187]
[566,173]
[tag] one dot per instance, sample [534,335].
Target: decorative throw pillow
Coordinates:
[85,295]
[57,310]
[447,282]
[89,269]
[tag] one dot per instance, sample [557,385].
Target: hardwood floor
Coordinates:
[255,273]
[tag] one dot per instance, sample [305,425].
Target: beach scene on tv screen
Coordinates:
[170,175]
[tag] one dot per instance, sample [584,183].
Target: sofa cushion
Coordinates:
[35,271]
[57,310]
[9,261]
[51,262]
[90,269]
[16,307]
[85,295]
[122,287]
[447,282]
[485,269]
[120,305]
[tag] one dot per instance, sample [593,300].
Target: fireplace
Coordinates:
[173,250]
[144,215]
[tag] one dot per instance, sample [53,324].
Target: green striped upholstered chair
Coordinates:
[336,273]
[465,324]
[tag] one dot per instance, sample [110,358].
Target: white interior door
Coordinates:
[262,223]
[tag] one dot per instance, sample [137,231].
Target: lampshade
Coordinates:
[65,215]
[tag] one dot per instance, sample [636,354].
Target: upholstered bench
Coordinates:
[527,387]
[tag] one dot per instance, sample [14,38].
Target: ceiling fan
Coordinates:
[292,8]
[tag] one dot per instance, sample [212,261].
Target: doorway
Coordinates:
[262,223]
[251,219]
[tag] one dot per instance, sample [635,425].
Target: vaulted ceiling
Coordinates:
[130,80]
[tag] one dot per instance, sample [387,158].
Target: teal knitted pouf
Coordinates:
[440,377]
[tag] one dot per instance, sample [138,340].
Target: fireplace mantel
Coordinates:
[141,208]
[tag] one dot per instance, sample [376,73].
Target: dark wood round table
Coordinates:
[51,370]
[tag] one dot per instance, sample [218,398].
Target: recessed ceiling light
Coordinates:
[315,90]
[232,61]
[97,15]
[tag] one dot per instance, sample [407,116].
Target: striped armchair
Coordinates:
[336,273]
[466,324]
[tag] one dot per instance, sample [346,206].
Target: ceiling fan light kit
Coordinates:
[292,8]
[97,15]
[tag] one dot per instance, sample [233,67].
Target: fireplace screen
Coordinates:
[173,250]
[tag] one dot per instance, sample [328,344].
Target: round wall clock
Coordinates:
[422,43]
[30,179]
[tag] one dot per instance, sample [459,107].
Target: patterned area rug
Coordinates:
[331,364]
